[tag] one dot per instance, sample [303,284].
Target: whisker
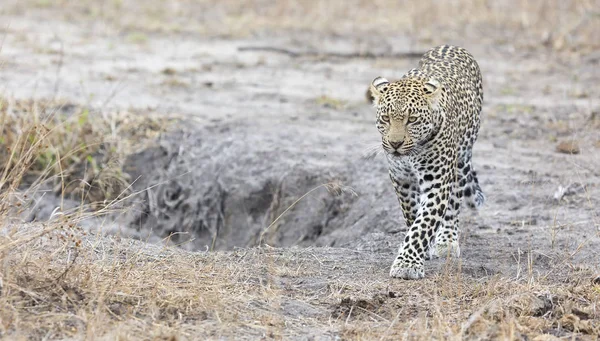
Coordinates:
[372,151]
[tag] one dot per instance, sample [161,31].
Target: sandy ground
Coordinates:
[262,128]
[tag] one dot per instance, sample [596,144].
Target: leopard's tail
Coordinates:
[473,193]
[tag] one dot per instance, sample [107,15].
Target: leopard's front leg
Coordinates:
[435,189]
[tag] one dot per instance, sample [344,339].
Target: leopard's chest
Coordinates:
[403,168]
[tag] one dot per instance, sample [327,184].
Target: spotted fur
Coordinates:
[429,120]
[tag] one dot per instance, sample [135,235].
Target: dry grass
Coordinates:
[560,25]
[59,283]
[78,152]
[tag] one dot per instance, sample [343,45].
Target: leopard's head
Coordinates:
[408,112]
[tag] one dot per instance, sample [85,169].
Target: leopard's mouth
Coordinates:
[396,153]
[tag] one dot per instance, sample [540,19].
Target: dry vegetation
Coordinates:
[77,153]
[561,25]
[59,282]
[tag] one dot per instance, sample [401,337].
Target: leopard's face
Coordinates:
[406,113]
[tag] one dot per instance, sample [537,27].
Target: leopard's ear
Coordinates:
[432,89]
[378,87]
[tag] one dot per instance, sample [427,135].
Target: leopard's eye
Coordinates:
[385,118]
[412,119]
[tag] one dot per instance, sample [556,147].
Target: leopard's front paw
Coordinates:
[407,270]
[446,248]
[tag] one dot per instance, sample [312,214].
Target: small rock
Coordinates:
[168,71]
[596,280]
[568,147]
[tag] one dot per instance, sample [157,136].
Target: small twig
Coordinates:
[70,264]
[330,186]
[372,314]
[350,55]
[474,317]
[269,49]
[59,67]
[385,334]
[349,314]
[62,275]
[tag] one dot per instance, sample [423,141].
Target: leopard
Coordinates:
[429,121]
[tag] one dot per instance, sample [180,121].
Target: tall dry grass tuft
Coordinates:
[49,282]
[77,152]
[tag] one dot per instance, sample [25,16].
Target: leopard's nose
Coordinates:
[396,145]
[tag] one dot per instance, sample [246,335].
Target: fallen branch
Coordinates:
[365,55]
